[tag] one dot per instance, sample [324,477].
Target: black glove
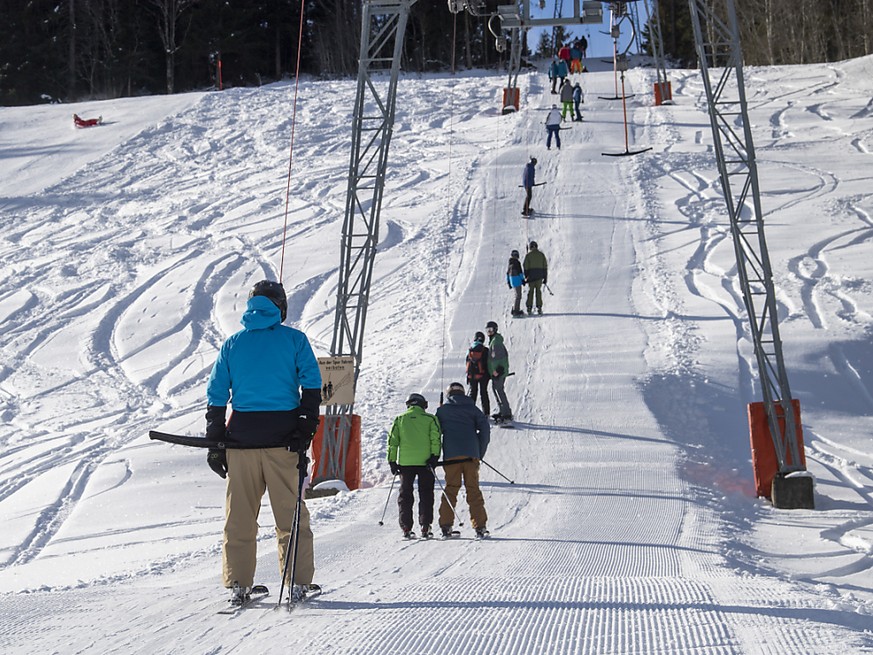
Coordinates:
[306,429]
[307,418]
[395,468]
[432,460]
[499,371]
[215,429]
[217,460]
[545,280]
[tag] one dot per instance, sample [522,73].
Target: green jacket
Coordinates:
[498,356]
[416,435]
[535,266]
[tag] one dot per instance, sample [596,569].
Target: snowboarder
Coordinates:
[413,450]
[566,100]
[578,99]
[466,434]
[528,181]
[498,369]
[263,366]
[553,126]
[515,280]
[86,122]
[536,274]
[477,371]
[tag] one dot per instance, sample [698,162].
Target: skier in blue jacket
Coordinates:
[528,181]
[261,370]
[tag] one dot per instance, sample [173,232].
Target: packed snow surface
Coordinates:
[632,526]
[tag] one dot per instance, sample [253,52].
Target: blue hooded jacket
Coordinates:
[260,370]
[466,432]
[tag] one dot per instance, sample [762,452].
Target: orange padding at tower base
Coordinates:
[665,95]
[510,98]
[352,456]
[765,466]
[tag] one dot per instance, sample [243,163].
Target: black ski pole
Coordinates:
[497,472]
[445,495]
[294,536]
[547,289]
[390,491]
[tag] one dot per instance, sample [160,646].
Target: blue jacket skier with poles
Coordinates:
[261,370]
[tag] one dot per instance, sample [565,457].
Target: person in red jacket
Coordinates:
[86,122]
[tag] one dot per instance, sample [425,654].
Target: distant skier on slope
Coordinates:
[515,280]
[578,98]
[553,126]
[86,122]
[413,450]
[477,371]
[566,100]
[528,181]
[498,368]
[466,435]
[264,367]
[536,274]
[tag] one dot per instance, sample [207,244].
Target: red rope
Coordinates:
[291,149]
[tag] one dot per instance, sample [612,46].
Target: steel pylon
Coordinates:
[382,32]
[721,64]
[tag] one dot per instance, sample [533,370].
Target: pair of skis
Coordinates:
[296,597]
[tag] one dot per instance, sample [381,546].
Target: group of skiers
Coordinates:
[460,431]
[568,60]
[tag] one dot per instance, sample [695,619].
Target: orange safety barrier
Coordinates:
[510,100]
[662,96]
[352,455]
[765,466]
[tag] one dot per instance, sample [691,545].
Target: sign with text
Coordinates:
[337,380]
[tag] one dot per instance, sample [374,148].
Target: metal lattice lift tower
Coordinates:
[663,90]
[383,27]
[721,64]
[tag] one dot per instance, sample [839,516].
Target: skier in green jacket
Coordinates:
[413,450]
[498,369]
[536,274]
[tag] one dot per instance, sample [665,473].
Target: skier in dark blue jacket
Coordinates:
[261,370]
[466,434]
[528,181]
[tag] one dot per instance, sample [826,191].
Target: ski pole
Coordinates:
[390,491]
[497,472]
[294,536]
[547,289]
[446,496]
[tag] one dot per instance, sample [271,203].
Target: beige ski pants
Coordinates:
[249,474]
[469,472]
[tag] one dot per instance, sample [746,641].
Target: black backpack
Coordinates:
[477,364]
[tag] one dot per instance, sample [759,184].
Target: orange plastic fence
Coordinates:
[666,95]
[352,455]
[765,466]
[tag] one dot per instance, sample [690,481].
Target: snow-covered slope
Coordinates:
[126,253]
